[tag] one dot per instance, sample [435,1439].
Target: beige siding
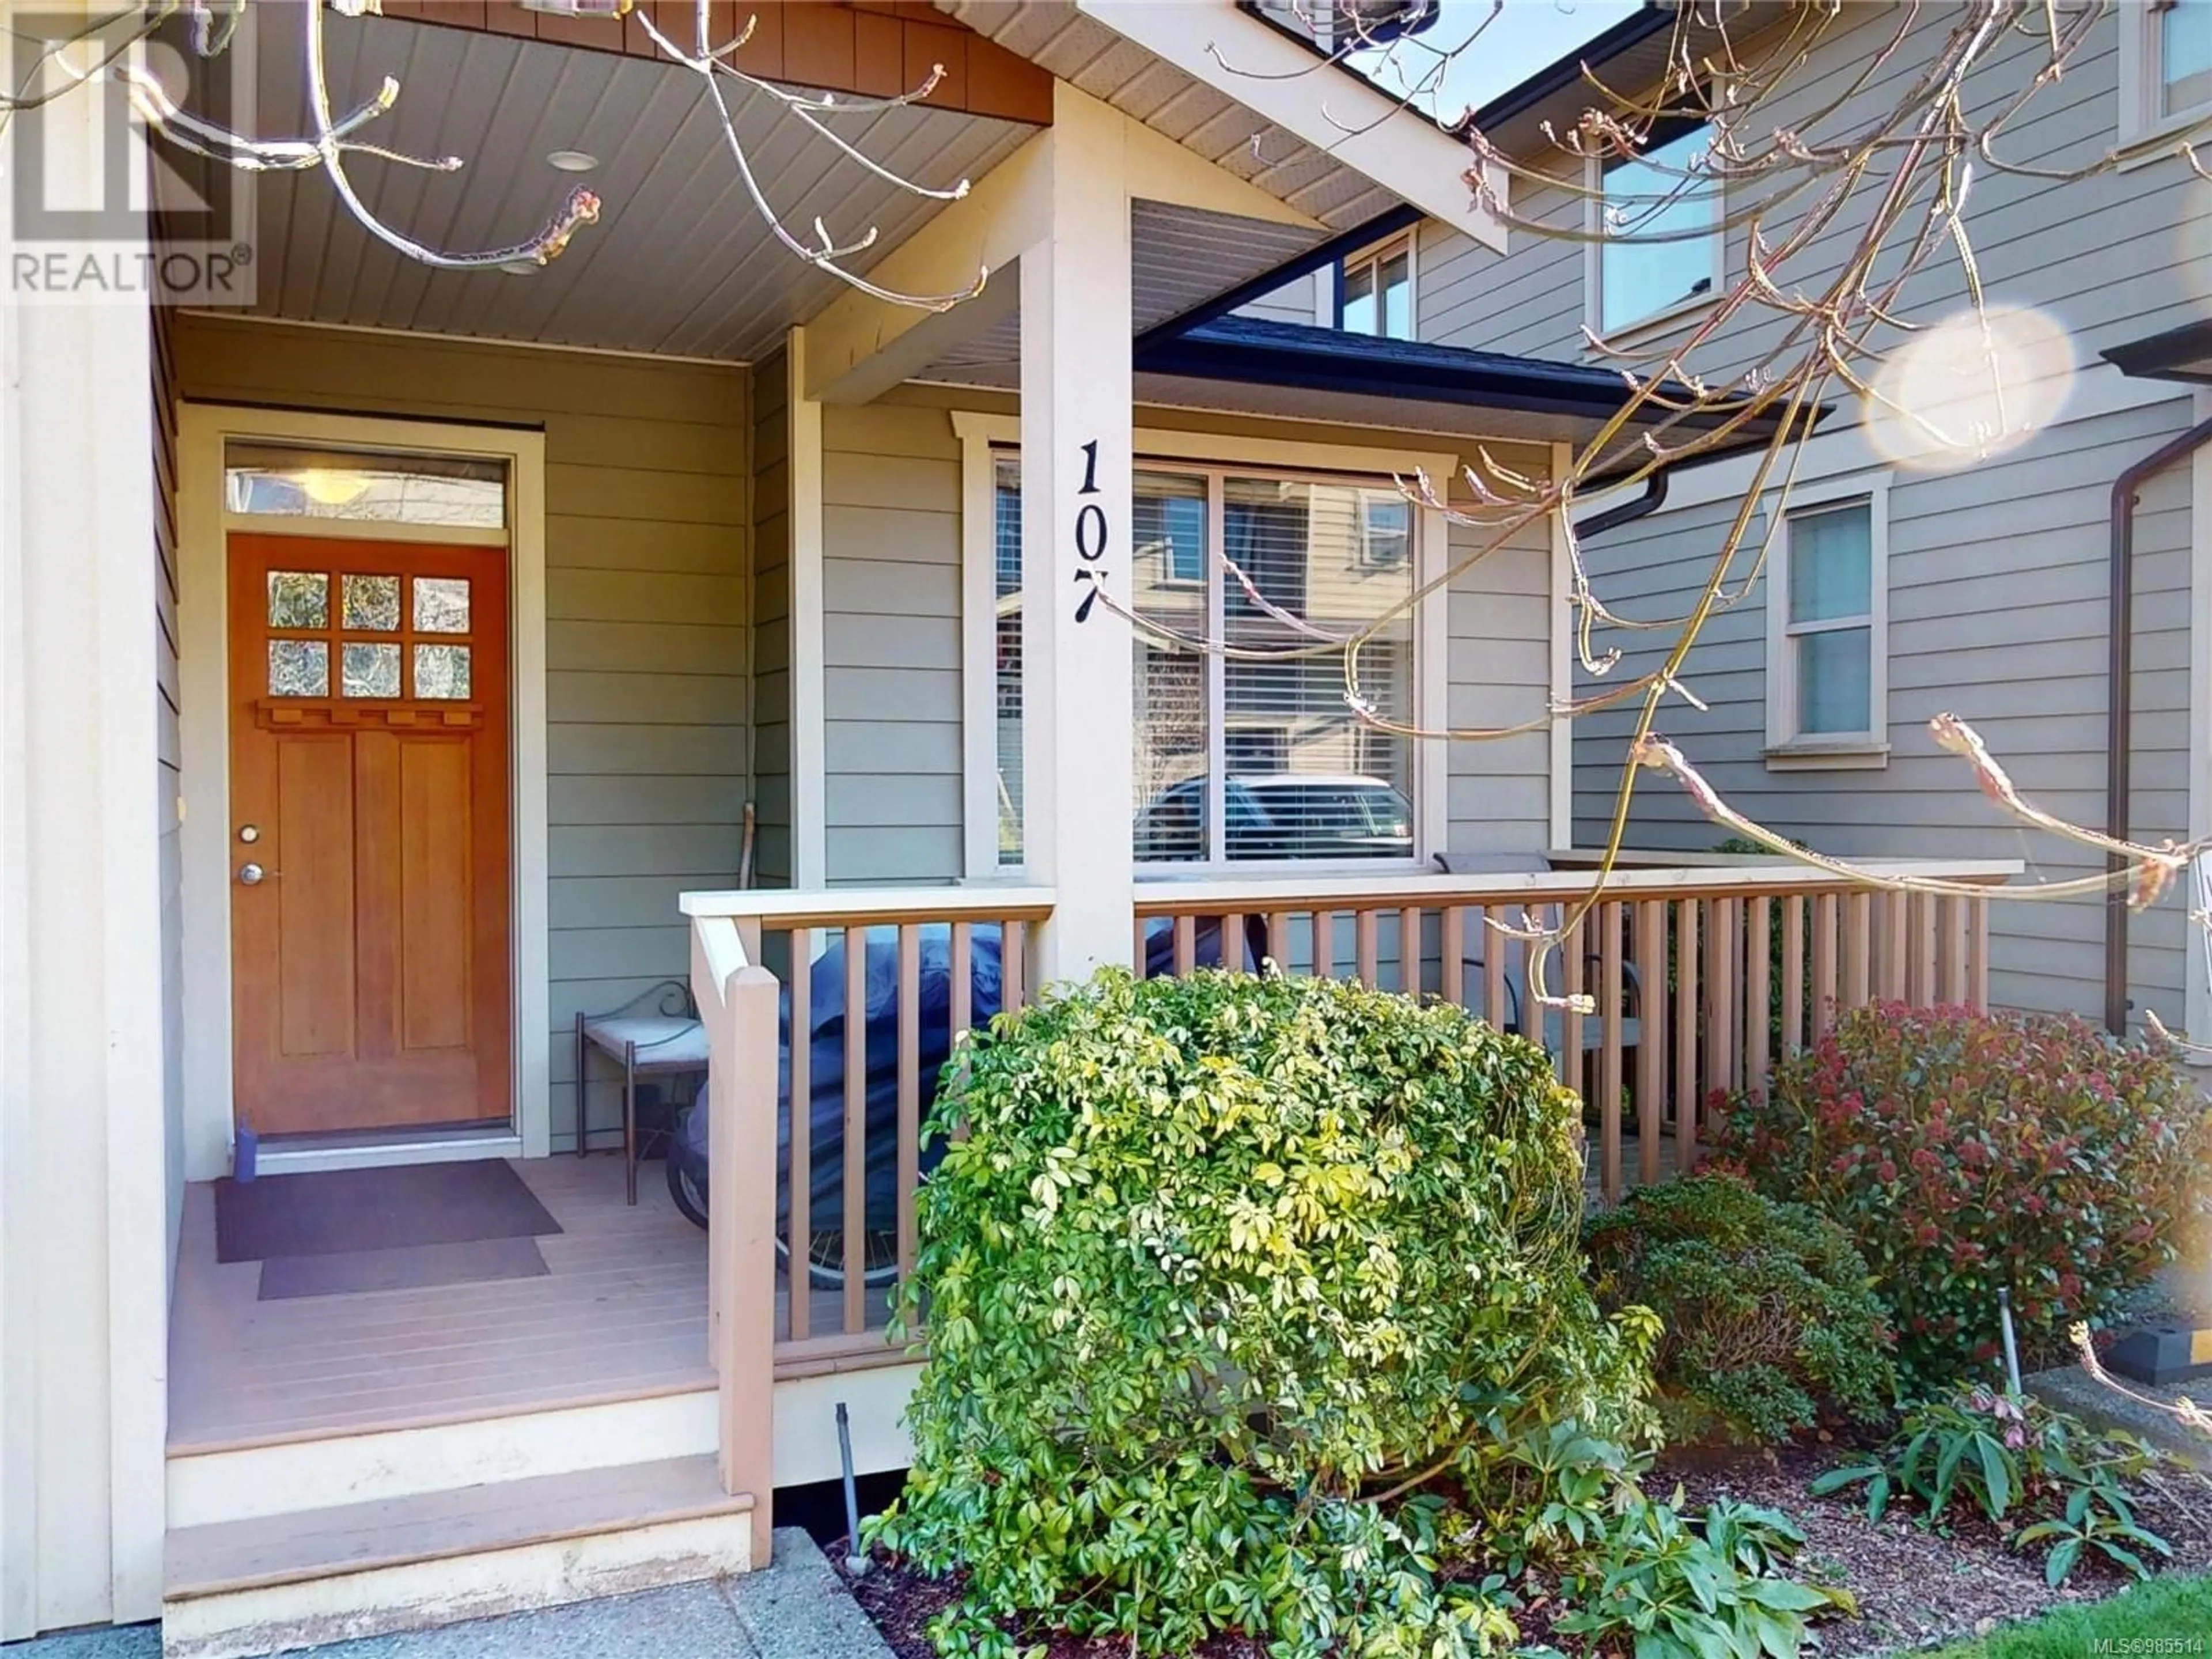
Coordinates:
[891,642]
[162,361]
[1293,302]
[771,623]
[649,517]
[1997,580]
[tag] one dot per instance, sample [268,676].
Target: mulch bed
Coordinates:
[1914,1587]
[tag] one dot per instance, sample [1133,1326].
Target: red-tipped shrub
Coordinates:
[1967,1151]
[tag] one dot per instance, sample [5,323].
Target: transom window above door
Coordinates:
[452,492]
[369,635]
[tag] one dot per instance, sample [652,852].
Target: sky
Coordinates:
[1525,36]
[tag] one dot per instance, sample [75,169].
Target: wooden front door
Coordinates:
[368,834]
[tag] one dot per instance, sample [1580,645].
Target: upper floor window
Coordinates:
[1661,226]
[1827,625]
[2165,54]
[1374,291]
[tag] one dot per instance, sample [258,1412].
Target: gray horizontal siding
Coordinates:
[1997,581]
[2110,258]
[648,593]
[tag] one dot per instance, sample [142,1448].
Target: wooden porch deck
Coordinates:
[621,1315]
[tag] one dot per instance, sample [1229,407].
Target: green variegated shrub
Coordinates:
[1229,1277]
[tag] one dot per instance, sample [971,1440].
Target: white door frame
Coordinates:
[203,531]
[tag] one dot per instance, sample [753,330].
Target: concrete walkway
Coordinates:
[797,1609]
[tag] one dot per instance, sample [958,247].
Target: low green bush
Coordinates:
[1965,1153]
[2015,1459]
[1229,1277]
[1765,1306]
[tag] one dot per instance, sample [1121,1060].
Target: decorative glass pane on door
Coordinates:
[370,671]
[372,604]
[441,605]
[299,598]
[298,668]
[441,671]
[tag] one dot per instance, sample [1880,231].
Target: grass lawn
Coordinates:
[2178,1612]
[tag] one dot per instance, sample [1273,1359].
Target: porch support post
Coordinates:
[88,1185]
[1076,390]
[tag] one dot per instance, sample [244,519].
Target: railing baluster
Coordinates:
[1364,946]
[1728,993]
[855,1245]
[1921,982]
[1567,982]
[1495,1007]
[1138,945]
[1758,997]
[1858,941]
[799,1227]
[1651,1035]
[1793,973]
[1324,944]
[1451,952]
[910,1089]
[1951,947]
[1014,968]
[1686,1002]
[1232,944]
[1896,945]
[961,1014]
[1410,977]
[1608,1070]
[1978,956]
[1279,939]
[1185,944]
[1823,963]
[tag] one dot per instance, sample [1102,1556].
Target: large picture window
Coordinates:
[1242,761]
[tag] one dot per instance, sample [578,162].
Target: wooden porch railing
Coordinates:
[1700,976]
[824,1314]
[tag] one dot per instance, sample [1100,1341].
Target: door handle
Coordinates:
[252,875]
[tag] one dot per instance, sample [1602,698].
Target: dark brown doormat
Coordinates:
[334,1211]
[411,1268]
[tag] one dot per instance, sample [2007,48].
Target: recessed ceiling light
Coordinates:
[522,267]
[573,161]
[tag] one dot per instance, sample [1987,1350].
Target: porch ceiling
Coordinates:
[679,264]
[1181,257]
[1087,54]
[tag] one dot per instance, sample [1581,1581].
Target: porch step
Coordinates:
[238,1588]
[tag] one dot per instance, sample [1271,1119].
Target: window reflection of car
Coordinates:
[1289,815]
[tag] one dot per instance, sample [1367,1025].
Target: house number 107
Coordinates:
[1090,538]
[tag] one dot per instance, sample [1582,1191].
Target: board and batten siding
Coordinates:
[648,619]
[1997,585]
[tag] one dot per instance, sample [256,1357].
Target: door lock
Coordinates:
[249,833]
[251,875]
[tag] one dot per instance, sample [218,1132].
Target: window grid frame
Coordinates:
[1788,746]
[1372,258]
[1216,862]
